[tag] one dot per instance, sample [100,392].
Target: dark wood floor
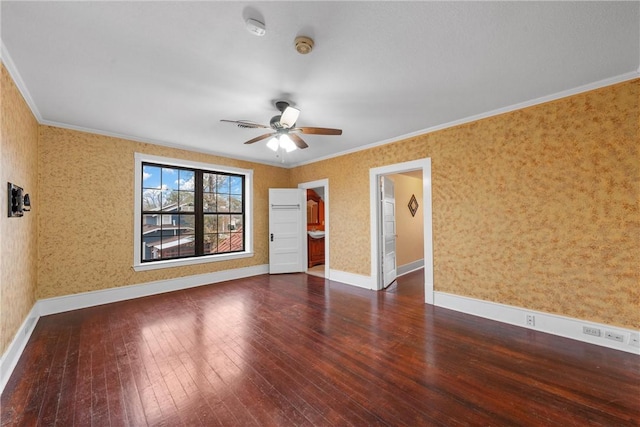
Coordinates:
[298,350]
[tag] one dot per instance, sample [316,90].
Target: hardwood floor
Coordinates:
[295,349]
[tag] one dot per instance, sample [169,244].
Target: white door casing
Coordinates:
[423,164]
[388,233]
[324,183]
[287,225]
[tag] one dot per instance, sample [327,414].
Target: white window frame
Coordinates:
[138,265]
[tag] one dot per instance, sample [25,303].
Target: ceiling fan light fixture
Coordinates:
[273,143]
[289,117]
[286,143]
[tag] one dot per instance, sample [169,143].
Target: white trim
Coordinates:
[410,267]
[169,263]
[563,326]
[10,358]
[352,279]
[138,265]
[324,183]
[105,296]
[374,173]
[15,75]
[548,98]
[17,79]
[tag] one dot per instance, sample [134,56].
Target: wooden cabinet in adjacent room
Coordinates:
[316,250]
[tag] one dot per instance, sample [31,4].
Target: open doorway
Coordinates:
[414,169]
[317,227]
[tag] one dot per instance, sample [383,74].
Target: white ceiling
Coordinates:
[167,72]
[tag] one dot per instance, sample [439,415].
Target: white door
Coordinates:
[287,245]
[388,206]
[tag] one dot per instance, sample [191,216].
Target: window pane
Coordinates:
[187,224]
[169,200]
[151,200]
[169,179]
[222,184]
[151,177]
[187,180]
[209,182]
[222,201]
[187,200]
[224,222]
[150,221]
[236,241]
[224,243]
[209,202]
[236,223]
[187,246]
[235,184]
[235,204]
[210,224]
[210,243]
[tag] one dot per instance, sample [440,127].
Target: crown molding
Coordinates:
[17,78]
[519,106]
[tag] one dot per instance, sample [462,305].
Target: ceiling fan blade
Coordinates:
[289,117]
[319,131]
[246,124]
[260,138]
[298,141]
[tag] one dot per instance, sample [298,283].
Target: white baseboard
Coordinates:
[105,296]
[352,279]
[11,356]
[61,304]
[410,267]
[544,322]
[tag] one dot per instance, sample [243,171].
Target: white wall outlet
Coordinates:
[634,340]
[531,320]
[590,330]
[614,336]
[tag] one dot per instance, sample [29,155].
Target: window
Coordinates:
[190,212]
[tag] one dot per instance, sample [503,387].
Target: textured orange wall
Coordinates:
[537,208]
[18,151]
[86,218]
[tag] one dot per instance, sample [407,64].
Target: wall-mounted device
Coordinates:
[18,201]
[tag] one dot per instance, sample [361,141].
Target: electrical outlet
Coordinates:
[590,330]
[614,336]
[634,340]
[531,320]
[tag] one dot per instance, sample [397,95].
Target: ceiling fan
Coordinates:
[284,133]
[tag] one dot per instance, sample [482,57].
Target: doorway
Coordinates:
[375,174]
[318,231]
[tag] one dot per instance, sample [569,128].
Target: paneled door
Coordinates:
[388,207]
[287,230]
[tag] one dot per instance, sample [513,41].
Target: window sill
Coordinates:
[189,261]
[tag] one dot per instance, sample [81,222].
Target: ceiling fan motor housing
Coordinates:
[275,122]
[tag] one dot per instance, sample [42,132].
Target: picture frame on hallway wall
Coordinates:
[413,205]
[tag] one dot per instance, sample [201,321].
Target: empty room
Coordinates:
[320,213]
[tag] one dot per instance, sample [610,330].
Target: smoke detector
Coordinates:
[255,27]
[304,45]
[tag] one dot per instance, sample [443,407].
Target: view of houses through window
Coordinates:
[190,212]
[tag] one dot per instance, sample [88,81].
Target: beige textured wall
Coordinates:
[409,229]
[18,154]
[86,218]
[537,208]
